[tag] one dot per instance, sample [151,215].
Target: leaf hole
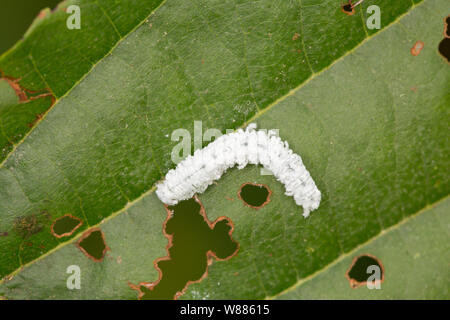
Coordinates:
[444,45]
[358,275]
[348,8]
[65,225]
[92,243]
[254,195]
[444,49]
[193,243]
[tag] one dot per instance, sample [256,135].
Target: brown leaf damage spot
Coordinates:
[193,242]
[38,118]
[444,45]
[446,27]
[43,13]
[418,46]
[65,226]
[137,287]
[295,36]
[20,93]
[357,274]
[348,8]
[92,243]
[254,195]
[29,225]
[24,94]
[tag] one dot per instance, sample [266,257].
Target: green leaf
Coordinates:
[368,118]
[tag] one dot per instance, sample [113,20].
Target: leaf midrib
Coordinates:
[252,119]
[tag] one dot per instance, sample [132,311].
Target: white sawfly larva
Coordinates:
[195,173]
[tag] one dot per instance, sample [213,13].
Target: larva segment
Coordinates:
[195,173]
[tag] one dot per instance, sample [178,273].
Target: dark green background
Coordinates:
[16,16]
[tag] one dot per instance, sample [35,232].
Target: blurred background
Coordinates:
[15,18]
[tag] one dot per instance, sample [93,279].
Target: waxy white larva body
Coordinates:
[195,173]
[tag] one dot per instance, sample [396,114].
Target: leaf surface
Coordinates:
[367,117]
